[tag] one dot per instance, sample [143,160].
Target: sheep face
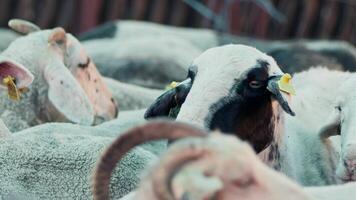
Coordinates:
[342,123]
[86,73]
[42,53]
[230,88]
[23,77]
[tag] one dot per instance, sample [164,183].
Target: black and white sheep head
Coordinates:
[231,88]
[341,124]
[42,53]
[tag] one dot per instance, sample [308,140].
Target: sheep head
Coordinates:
[197,166]
[62,69]
[341,124]
[231,88]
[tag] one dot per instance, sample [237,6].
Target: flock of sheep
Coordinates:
[245,129]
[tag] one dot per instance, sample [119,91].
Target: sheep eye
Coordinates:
[338,108]
[84,65]
[255,84]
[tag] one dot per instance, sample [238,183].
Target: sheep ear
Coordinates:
[162,105]
[58,38]
[332,127]
[168,100]
[22,26]
[67,96]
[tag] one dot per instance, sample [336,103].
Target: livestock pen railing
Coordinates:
[334,19]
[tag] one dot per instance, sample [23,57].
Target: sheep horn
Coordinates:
[154,130]
[162,177]
[22,26]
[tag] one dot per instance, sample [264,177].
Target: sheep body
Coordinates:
[339,192]
[294,55]
[149,61]
[131,97]
[320,94]
[219,97]
[55,160]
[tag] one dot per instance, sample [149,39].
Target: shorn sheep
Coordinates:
[293,55]
[230,88]
[200,167]
[55,160]
[67,86]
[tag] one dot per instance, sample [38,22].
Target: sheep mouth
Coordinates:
[22,76]
[346,179]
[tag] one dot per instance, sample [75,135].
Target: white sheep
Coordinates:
[67,86]
[149,61]
[131,97]
[199,167]
[232,88]
[334,106]
[55,160]
[292,55]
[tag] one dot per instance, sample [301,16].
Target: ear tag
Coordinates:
[12,90]
[285,85]
[172,85]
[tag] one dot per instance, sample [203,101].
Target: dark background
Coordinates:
[332,19]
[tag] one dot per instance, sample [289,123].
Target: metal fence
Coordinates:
[334,19]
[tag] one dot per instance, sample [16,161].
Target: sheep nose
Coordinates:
[99,119]
[350,165]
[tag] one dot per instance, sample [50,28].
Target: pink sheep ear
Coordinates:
[332,127]
[67,96]
[16,70]
[58,38]
[22,26]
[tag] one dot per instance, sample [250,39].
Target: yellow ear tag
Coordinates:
[172,85]
[12,90]
[285,85]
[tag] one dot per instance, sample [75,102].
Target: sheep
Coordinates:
[340,120]
[292,55]
[146,61]
[323,106]
[67,86]
[129,29]
[334,55]
[228,89]
[222,82]
[55,160]
[195,167]
[131,97]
